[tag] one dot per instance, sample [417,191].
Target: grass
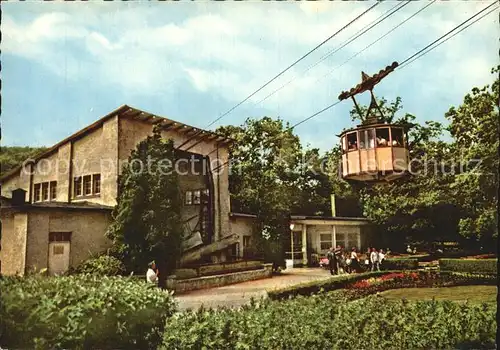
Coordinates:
[475,294]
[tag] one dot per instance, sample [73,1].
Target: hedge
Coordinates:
[400,264]
[487,266]
[102,265]
[82,311]
[327,321]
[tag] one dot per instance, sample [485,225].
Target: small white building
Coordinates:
[312,236]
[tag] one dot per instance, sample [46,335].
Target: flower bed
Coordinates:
[421,279]
[313,287]
[373,282]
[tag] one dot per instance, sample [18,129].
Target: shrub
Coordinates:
[400,264]
[84,311]
[103,265]
[486,266]
[329,322]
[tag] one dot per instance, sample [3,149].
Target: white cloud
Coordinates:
[230,50]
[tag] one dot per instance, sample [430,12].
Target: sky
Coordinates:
[65,65]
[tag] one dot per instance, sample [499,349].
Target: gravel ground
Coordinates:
[235,295]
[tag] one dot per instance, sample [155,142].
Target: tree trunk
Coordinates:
[162,277]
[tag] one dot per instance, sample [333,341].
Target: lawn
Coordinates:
[476,294]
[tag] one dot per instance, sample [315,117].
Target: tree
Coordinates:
[314,187]
[474,125]
[13,156]
[146,220]
[264,178]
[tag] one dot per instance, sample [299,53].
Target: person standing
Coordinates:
[381,258]
[355,266]
[339,254]
[374,260]
[152,273]
[332,261]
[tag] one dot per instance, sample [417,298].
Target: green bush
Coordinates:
[486,266]
[400,264]
[103,265]
[327,321]
[313,287]
[83,311]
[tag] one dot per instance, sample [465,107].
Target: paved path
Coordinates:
[235,295]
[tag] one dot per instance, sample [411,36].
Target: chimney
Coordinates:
[18,197]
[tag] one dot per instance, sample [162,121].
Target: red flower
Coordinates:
[399,275]
[361,284]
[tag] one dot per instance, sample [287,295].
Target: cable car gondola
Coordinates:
[374,151]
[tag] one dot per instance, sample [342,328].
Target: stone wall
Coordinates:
[87,227]
[25,236]
[38,240]
[96,153]
[215,269]
[242,226]
[182,286]
[14,231]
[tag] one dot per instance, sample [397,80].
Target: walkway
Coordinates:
[235,295]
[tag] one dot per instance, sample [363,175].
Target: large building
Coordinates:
[57,206]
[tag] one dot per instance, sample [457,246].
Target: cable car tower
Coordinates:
[374,151]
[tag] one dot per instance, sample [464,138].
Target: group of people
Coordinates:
[351,262]
[381,142]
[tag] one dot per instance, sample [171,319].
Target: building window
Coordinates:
[37,193]
[59,237]
[189,198]
[45,191]
[77,186]
[96,183]
[397,137]
[53,190]
[352,141]
[246,241]
[205,195]
[369,137]
[325,241]
[87,185]
[382,137]
[347,240]
[196,197]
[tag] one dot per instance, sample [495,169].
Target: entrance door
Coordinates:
[59,252]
